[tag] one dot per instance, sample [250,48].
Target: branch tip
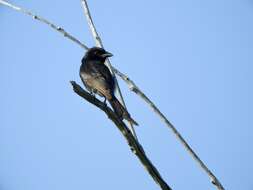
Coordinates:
[214,180]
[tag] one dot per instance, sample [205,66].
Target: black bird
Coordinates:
[98,79]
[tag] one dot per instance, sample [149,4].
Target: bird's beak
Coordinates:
[107,54]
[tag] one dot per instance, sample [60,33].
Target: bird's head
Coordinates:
[97,53]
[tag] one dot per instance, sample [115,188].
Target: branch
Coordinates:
[45,21]
[99,43]
[132,142]
[132,86]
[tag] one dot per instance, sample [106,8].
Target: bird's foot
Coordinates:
[105,102]
[93,95]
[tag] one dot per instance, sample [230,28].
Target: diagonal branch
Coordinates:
[72,38]
[132,86]
[99,43]
[132,142]
[45,21]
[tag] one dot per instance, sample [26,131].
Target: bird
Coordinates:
[98,79]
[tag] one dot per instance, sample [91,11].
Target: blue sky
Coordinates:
[192,58]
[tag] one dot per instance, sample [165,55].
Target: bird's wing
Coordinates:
[103,71]
[99,78]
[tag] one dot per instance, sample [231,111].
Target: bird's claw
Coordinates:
[105,102]
[93,95]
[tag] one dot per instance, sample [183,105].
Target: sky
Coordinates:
[193,59]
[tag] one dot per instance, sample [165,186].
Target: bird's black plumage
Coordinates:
[98,79]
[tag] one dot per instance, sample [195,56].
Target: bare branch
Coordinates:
[45,21]
[132,142]
[99,43]
[94,32]
[132,86]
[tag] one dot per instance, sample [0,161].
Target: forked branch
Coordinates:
[132,142]
[132,87]
[99,43]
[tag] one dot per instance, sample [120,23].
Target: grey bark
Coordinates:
[132,87]
[99,43]
[135,147]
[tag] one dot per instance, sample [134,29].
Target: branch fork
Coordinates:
[135,147]
[131,86]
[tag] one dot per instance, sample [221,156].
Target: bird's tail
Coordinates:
[121,111]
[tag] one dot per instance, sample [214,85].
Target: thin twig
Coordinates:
[99,43]
[45,21]
[72,38]
[132,86]
[135,147]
